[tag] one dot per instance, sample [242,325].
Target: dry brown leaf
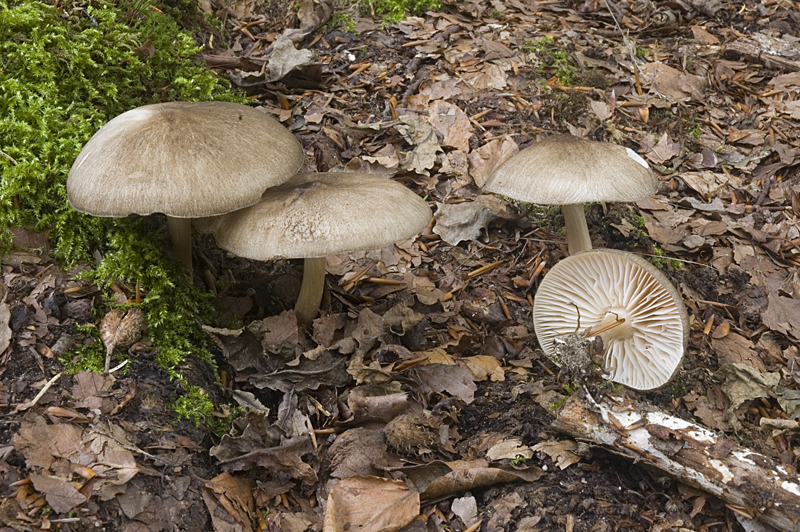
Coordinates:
[370,504]
[438,378]
[41,444]
[662,151]
[471,475]
[509,450]
[385,162]
[285,58]
[451,123]
[503,509]
[483,367]
[563,453]
[601,110]
[419,134]
[484,160]
[672,83]
[370,402]
[703,36]
[358,451]
[783,315]
[466,221]
[734,348]
[490,76]
[284,459]
[234,494]
[60,493]
[92,391]
[281,328]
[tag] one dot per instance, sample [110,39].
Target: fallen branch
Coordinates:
[751,483]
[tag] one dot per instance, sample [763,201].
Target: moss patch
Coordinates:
[64,72]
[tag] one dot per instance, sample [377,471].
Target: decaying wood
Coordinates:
[759,47]
[749,482]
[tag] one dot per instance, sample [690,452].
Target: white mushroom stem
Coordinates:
[575,226]
[311,290]
[180,231]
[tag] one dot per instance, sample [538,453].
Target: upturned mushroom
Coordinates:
[639,315]
[314,215]
[183,159]
[571,171]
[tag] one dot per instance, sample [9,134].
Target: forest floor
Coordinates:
[420,398]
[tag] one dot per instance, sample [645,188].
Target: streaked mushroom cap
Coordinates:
[321,214]
[183,159]
[566,170]
[642,353]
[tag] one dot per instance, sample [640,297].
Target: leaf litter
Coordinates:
[418,399]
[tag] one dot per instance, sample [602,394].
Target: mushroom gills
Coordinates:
[627,302]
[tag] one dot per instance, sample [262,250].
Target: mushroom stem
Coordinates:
[180,231]
[311,290]
[575,226]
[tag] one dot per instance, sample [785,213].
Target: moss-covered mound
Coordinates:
[66,70]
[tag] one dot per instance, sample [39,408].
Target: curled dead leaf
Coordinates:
[121,329]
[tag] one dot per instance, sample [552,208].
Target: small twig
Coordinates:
[484,269]
[32,402]
[7,156]
[117,368]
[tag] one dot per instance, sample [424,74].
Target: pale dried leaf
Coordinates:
[370,504]
[484,367]
[484,160]
[601,110]
[782,315]
[465,221]
[509,450]
[419,134]
[452,124]
[285,57]
[466,508]
[563,453]
[358,451]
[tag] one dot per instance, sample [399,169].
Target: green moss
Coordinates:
[659,259]
[343,21]
[195,405]
[553,60]
[397,10]
[64,72]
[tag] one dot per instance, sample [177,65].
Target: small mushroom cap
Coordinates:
[605,285]
[184,159]
[321,214]
[567,170]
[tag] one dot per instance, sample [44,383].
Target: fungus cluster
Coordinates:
[185,160]
[637,314]
[228,166]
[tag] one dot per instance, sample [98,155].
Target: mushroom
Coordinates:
[570,171]
[644,322]
[314,215]
[183,159]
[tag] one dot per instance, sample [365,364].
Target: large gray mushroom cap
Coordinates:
[605,286]
[567,170]
[320,214]
[183,159]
